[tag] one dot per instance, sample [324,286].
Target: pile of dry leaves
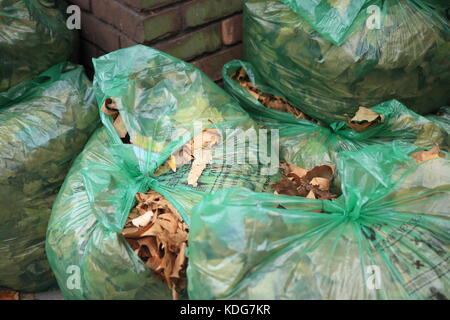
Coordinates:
[158,235]
[198,151]
[155,229]
[268,100]
[363,119]
[314,184]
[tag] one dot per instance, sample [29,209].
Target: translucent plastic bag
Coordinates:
[386,237]
[33,37]
[330,57]
[160,99]
[308,144]
[44,124]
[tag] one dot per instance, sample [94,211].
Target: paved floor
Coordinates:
[49,295]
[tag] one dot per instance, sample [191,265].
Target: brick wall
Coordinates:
[207,33]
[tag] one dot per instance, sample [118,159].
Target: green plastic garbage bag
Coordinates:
[330,57]
[308,144]
[44,124]
[164,102]
[386,237]
[33,37]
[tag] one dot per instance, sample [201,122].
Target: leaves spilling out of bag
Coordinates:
[364,118]
[433,153]
[199,151]
[268,100]
[158,235]
[314,184]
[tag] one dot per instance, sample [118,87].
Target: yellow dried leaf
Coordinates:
[364,118]
[172,162]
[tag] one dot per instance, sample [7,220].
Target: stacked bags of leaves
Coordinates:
[385,237]
[33,37]
[306,142]
[328,57]
[119,225]
[44,124]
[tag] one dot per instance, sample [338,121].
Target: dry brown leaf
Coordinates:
[433,153]
[311,195]
[324,171]
[160,239]
[109,107]
[120,127]
[322,183]
[364,118]
[314,184]
[9,295]
[202,146]
[291,168]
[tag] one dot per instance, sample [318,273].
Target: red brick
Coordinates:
[147,4]
[120,16]
[212,65]
[232,30]
[140,27]
[98,32]
[198,12]
[193,44]
[83,4]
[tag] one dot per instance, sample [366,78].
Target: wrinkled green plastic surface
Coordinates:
[33,37]
[159,97]
[308,144]
[391,222]
[406,59]
[44,124]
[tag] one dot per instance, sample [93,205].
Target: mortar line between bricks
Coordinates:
[183,32]
[169,37]
[207,54]
[155,10]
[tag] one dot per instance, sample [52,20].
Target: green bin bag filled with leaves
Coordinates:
[330,57]
[385,237]
[33,37]
[119,225]
[306,142]
[44,124]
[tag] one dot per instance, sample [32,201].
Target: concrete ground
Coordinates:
[49,295]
